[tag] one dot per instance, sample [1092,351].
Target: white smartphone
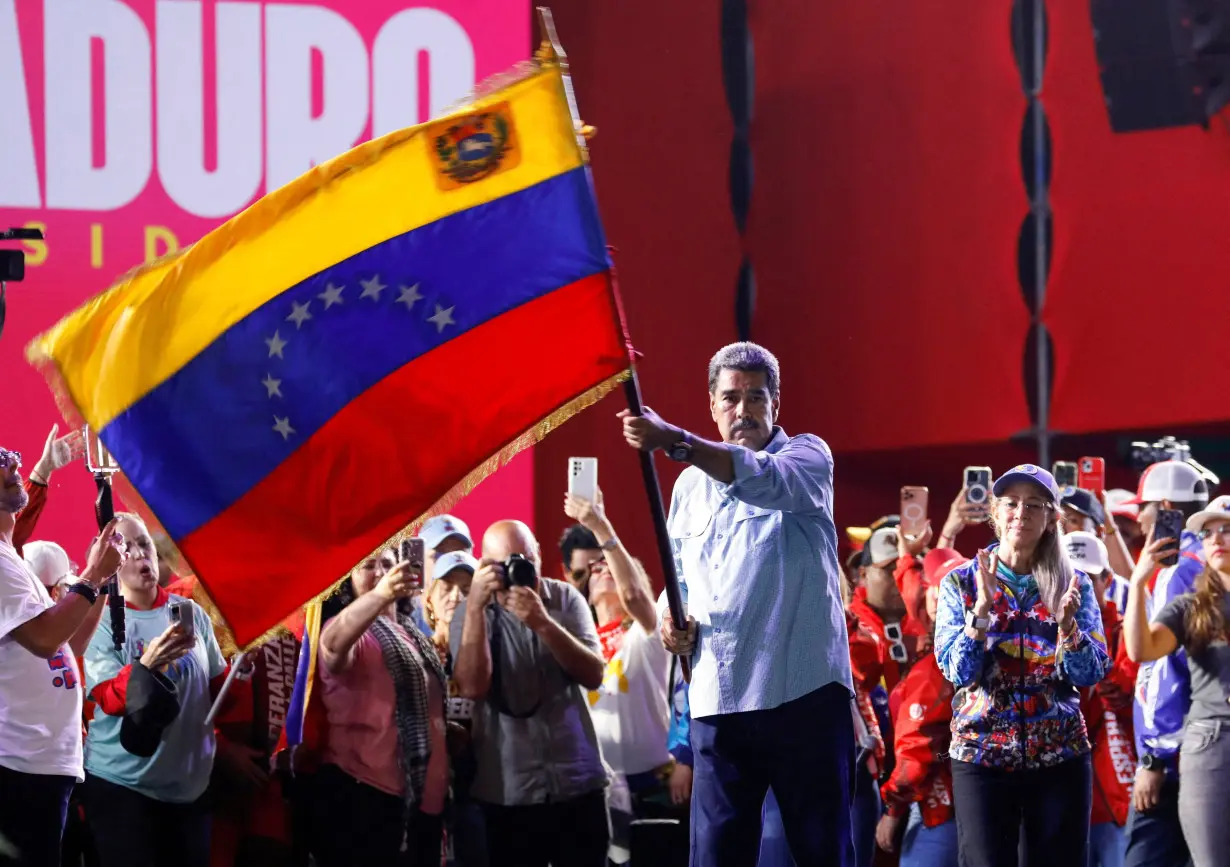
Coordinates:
[183,613]
[583,478]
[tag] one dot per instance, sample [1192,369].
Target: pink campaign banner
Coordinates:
[130,128]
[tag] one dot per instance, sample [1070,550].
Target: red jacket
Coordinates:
[1107,709]
[867,669]
[892,670]
[922,717]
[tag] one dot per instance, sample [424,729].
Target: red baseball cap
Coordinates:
[938,563]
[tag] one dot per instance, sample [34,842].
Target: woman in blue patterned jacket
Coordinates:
[1017,633]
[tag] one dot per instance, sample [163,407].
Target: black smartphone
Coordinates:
[977,484]
[412,552]
[1169,525]
[1065,473]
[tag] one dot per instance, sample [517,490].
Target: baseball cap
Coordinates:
[49,562]
[446,563]
[1176,481]
[1085,503]
[1087,552]
[859,535]
[881,548]
[1120,502]
[939,562]
[1219,508]
[1027,473]
[436,530]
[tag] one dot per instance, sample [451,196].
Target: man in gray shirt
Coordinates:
[524,653]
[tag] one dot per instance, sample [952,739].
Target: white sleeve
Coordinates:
[20,600]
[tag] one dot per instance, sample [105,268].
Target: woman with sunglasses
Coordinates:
[1017,633]
[1197,623]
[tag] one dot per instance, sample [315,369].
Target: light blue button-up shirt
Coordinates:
[758,563]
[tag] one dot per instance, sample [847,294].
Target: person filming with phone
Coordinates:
[526,650]
[1169,492]
[751,524]
[149,754]
[1017,633]
[1195,621]
[382,787]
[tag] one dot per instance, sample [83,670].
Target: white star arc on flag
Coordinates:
[443,316]
[372,288]
[409,295]
[273,386]
[282,426]
[332,295]
[299,313]
[276,344]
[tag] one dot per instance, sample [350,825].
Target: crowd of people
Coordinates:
[1060,696]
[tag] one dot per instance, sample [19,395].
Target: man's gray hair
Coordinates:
[750,358]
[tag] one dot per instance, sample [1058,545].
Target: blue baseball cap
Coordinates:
[1027,473]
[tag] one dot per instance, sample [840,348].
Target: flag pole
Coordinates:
[553,52]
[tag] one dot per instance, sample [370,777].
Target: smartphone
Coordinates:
[913,510]
[977,485]
[583,478]
[1169,525]
[1065,473]
[1092,475]
[413,552]
[182,613]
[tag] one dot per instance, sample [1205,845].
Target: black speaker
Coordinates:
[1163,63]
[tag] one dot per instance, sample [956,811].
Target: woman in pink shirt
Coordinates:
[383,785]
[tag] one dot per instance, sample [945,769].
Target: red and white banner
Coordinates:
[129,128]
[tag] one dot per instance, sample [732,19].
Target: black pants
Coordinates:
[573,833]
[1155,838]
[354,823]
[131,830]
[1044,813]
[32,811]
[804,750]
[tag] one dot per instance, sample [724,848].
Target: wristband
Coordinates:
[85,591]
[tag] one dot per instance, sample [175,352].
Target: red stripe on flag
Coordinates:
[395,450]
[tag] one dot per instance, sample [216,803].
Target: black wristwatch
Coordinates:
[84,590]
[1151,762]
[682,450]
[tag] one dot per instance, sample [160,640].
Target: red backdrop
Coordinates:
[1135,296]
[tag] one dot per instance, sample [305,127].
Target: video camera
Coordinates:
[13,262]
[1142,455]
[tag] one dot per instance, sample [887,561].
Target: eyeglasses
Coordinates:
[581,576]
[1221,532]
[1031,508]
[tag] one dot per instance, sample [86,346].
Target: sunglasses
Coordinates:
[581,576]
[896,643]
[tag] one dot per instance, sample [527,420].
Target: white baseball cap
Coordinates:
[881,548]
[1219,509]
[1087,552]
[1176,481]
[49,562]
[1120,501]
[436,530]
[446,563]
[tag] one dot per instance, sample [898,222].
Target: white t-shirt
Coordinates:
[40,700]
[630,710]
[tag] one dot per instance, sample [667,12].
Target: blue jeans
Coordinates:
[928,847]
[1107,845]
[32,813]
[1155,838]
[804,749]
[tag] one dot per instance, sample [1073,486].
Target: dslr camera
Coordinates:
[519,572]
[1144,454]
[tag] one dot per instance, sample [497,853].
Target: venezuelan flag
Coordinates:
[356,350]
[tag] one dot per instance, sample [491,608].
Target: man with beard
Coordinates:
[40,701]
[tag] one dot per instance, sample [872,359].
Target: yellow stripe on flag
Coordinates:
[122,344]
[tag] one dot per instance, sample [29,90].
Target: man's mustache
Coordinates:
[744,424]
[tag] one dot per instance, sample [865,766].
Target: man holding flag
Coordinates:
[751,525]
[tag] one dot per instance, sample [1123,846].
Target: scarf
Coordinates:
[411,713]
